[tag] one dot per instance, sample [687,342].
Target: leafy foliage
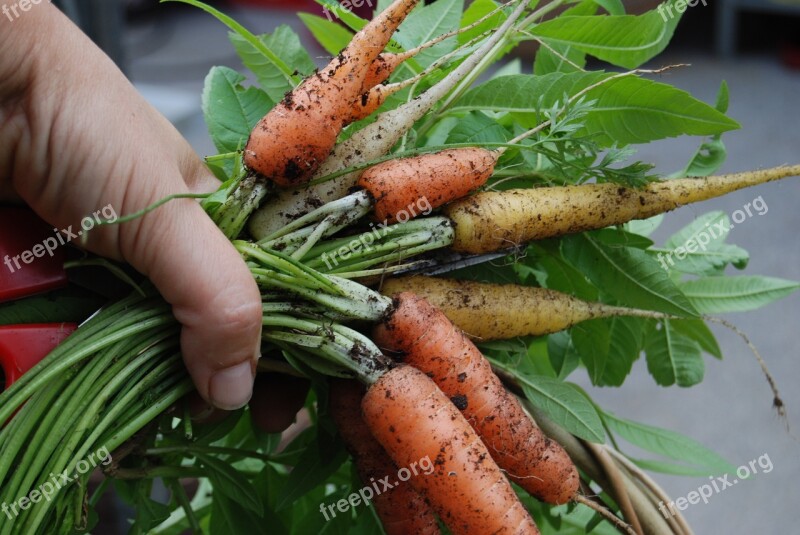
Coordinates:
[587,122]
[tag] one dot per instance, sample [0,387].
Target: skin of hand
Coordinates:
[75,136]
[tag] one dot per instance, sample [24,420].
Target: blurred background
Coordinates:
[753,44]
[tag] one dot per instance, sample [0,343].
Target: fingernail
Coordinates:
[231,388]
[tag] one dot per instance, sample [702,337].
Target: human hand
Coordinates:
[75,137]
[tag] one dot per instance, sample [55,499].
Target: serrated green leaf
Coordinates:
[477,127]
[672,357]
[626,109]
[644,227]
[558,58]
[668,444]
[698,331]
[427,22]
[332,36]
[623,40]
[231,110]
[717,295]
[627,274]
[561,402]
[625,345]
[560,275]
[592,340]
[476,11]
[712,153]
[699,248]
[554,57]
[284,46]
[230,482]
[564,358]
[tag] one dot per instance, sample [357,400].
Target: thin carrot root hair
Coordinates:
[615,521]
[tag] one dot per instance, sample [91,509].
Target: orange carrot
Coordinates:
[296,136]
[382,68]
[427,340]
[401,509]
[439,177]
[413,419]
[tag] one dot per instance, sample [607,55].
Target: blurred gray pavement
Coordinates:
[730,411]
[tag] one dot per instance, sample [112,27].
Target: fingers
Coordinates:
[213,296]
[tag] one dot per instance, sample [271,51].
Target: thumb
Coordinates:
[212,293]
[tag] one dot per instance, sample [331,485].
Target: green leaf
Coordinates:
[626,109]
[561,402]
[335,10]
[672,357]
[230,110]
[558,58]
[668,443]
[666,467]
[627,274]
[230,482]
[716,295]
[477,127]
[314,466]
[613,7]
[592,340]
[427,22]
[624,40]
[712,153]
[228,516]
[698,331]
[560,275]
[553,57]
[476,11]
[644,227]
[332,36]
[564,358]
[285,49]
[625,345]
[60,306]
[699,248]
[150,513]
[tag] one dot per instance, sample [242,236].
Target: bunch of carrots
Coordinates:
[416,386]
